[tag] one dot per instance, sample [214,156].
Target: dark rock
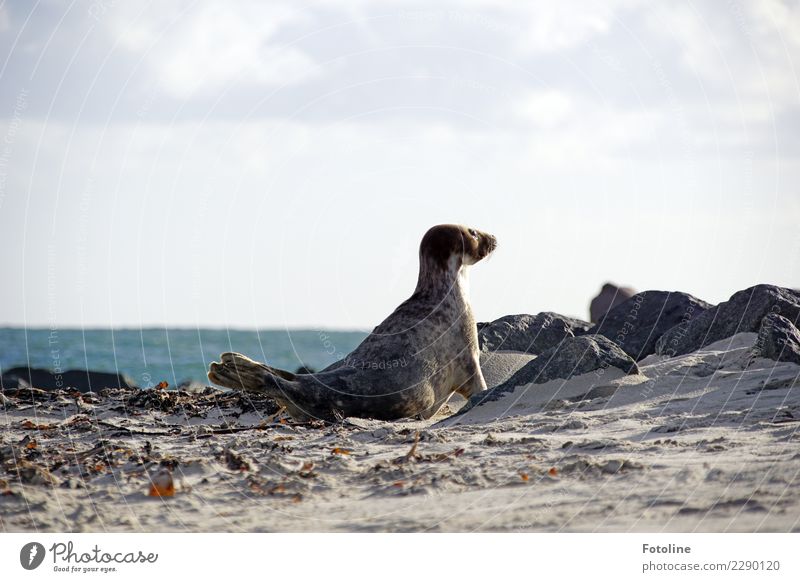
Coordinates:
[303,369]
[609,297]
[573,357]
[81,380]
[778,339]
[743,312]
[636,324]
[497,367]
[530,334]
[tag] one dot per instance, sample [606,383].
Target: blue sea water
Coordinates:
[149,356]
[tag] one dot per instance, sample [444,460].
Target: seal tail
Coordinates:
[241,373]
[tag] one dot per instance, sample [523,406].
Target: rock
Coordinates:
[530,334]
[609,297]
[303,369]
[743,312]
[81,380]
[497,367]
[573,357]
[778,339]
[636,324]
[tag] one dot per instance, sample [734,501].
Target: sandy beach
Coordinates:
[706,441]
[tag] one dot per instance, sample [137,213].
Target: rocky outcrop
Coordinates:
[743,312]
[81,380]
[778,339]
[609,297]
[572,357]
[497,367]
[530,334]
[636,324]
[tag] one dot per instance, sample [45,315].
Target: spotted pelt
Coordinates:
[409,365]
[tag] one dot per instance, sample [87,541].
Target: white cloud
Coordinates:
[771,15]
[213,45]
[539,26]
[545,108]
[748,51]
[554,26]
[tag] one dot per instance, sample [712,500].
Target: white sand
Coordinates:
[702,442]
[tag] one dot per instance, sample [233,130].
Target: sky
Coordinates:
[275,164]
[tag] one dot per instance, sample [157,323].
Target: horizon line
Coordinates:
[151,327]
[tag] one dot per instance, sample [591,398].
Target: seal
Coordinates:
[409,365]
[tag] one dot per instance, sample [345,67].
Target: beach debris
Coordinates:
[7,454]
[307,470]
[340,451]
[162,484]
[28,443]
[411,454]
[260,486]
[81,422]
[154,399]
[439,457]
[25,394]
[170,463]
[235,461]
[491,440]
[271,418]
[30,473]
[29,425]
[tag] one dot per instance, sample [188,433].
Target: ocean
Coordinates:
[149,356]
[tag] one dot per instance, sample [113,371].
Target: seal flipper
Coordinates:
[241,373]
[238,371]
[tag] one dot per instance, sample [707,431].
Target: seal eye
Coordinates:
[473,233]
